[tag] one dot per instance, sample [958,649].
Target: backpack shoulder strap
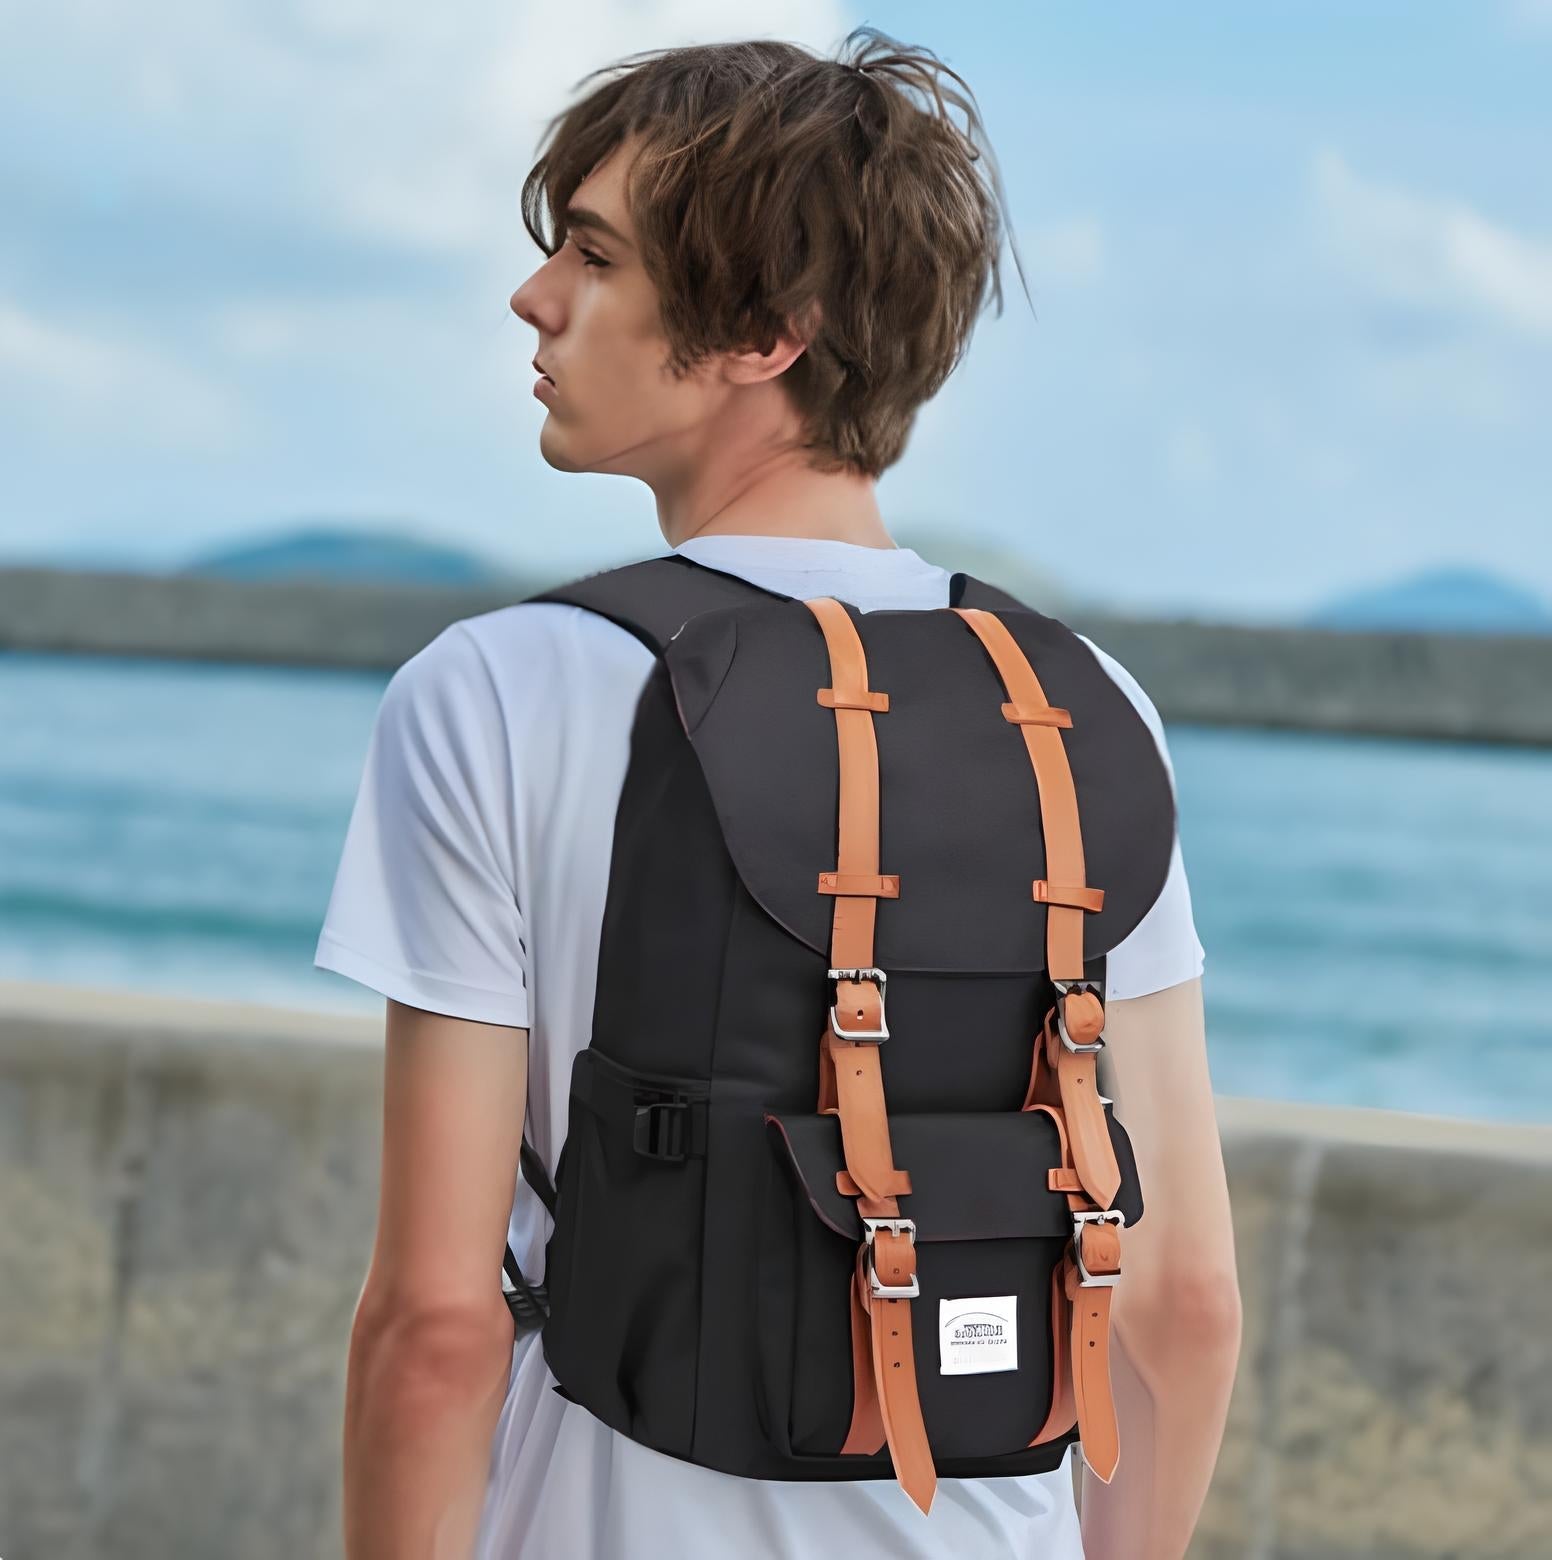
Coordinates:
[965,590]
[652,598]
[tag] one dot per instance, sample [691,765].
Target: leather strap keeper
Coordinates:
[864,884]
[1036,715]
[1079,898]
[896,1185]
[866,700]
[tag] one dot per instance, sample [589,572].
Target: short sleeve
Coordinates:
[424,907]
[1162,949]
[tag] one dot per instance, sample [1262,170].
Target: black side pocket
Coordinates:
[625,1254]
[803,1313]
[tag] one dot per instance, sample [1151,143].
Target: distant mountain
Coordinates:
[335,553]
[1449,600]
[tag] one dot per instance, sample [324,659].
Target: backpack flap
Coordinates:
[975,1175]
[958,823]
[992,1324]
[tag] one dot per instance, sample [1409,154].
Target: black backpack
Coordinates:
[805,1230]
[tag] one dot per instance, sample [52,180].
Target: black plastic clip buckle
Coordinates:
[661,1129]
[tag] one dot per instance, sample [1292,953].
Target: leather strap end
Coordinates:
[894,1366]
[1099,1435]
[865,1434]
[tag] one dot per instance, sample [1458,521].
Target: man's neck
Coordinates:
[787,499]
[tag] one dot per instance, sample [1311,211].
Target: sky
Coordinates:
[1291,268]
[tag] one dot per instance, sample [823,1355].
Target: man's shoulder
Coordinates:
[529,657]
[1129,685]
[527,630]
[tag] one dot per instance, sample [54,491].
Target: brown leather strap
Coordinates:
[1097,1428]
[1068,897]
[859,884]
[866,1432]
[1080,1328]
[894,1369]
[1063,1082]
[1063,1413]
[1076,1089]
[1058,798]
[885,1402]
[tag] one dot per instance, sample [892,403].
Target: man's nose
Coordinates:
[533,307]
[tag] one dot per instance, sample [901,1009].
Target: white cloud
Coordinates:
[71,381]
[403,121]
[1461,378]
[1433,252]
[1530,16]
[455,173]
[261,330]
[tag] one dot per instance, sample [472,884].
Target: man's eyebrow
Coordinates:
[585,217]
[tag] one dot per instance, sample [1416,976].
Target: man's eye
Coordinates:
[588,257]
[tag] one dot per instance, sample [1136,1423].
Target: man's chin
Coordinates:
[555,450]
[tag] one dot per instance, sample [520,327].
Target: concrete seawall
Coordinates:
[187,1198]
[1485,688]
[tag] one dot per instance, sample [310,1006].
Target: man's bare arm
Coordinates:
[1176,1312]
[431,1345]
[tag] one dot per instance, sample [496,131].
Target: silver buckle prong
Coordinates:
[897,1227]
[882,1032]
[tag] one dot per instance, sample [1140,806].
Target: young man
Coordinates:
[761,264]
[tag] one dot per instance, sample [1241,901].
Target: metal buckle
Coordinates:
[882,1032]
[896,1227]
[658,1135]
[1063,987]
[529,1311]
[1086,1279]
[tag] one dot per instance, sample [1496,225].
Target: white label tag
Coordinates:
[976,1334]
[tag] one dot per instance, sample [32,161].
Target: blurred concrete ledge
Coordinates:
[1482,688]
[187,1198]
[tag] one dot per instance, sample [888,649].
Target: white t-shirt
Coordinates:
[472,883]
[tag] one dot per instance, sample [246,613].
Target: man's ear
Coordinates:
[749,368]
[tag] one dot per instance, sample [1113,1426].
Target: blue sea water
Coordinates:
[1377,914]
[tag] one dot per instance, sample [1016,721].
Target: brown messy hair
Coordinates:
[775,188]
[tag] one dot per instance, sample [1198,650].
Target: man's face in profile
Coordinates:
[612,406]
